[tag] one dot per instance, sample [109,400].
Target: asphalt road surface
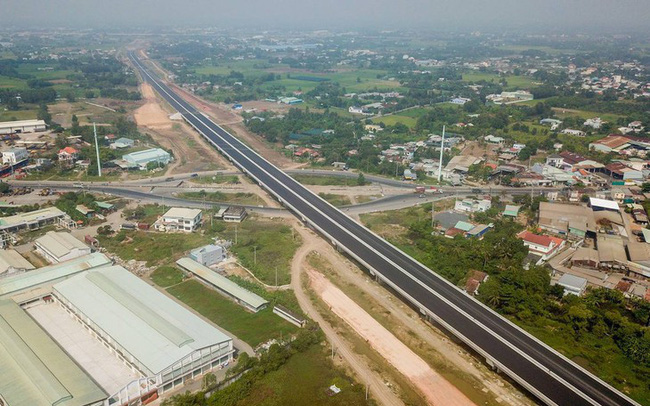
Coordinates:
[545,373]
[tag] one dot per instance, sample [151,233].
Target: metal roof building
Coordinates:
[11,261]
[142,158]
[8,127]
[61,246]
[35,370]
[244,297]
[151,332]
[50,274]
[31,220]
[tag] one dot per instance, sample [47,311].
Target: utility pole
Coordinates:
[432,213]
[99,164]
[442,148]
[255,254]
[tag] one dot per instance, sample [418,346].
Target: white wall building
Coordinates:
[14,155]
[179,219]
[472,206]
[61,246]
[22,126]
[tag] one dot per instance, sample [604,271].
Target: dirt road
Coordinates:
[435,389]
[441,353]
[225,116]
[379,391]
[191,152]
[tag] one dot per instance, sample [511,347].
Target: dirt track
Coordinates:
[435,389]
[190,150]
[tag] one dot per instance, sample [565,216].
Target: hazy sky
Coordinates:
[623,15]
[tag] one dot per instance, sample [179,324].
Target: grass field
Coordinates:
[166,276]
[12,115]
[154,248]
[514,81]
[234,198]
[336,200]
[584,114]
[307,375]
[216,179]
[326,180]
[274,242]
[396,118]
[253,328]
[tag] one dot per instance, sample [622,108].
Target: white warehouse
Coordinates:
[160,341]
[22,126]
[59,247]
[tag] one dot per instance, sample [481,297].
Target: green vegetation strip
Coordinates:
[253,328]
[234,198]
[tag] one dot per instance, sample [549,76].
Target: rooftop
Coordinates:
[221,282]
[572,281]
[181,212]
[27,280]
[153,328]
[12,259]
[35,370]
[59,243]
[24,218]
[21,123]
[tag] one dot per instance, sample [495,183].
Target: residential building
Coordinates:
[594,123]
[68,155]
[511,211]
[60,246]
[14,155]
[122,143]
[234,214]
[22,126]
[491,139]
[576,133]
[573,285]
[208,255]
[142,159]
[472,206]
[543,245]
[179,219]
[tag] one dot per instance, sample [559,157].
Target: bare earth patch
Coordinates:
[435,389]
[192,153]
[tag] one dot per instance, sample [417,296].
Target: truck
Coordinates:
[423,189]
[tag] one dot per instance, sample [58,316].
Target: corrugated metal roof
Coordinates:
[35,371]
[465,226]
[572,281]
[221,282]
[12,259]
[153,328]
[153,154]
[21,218]
[511,210]
[60,243]
[17,283]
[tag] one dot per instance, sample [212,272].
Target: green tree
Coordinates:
[361,179]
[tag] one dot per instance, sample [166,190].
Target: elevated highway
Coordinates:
[548,375]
